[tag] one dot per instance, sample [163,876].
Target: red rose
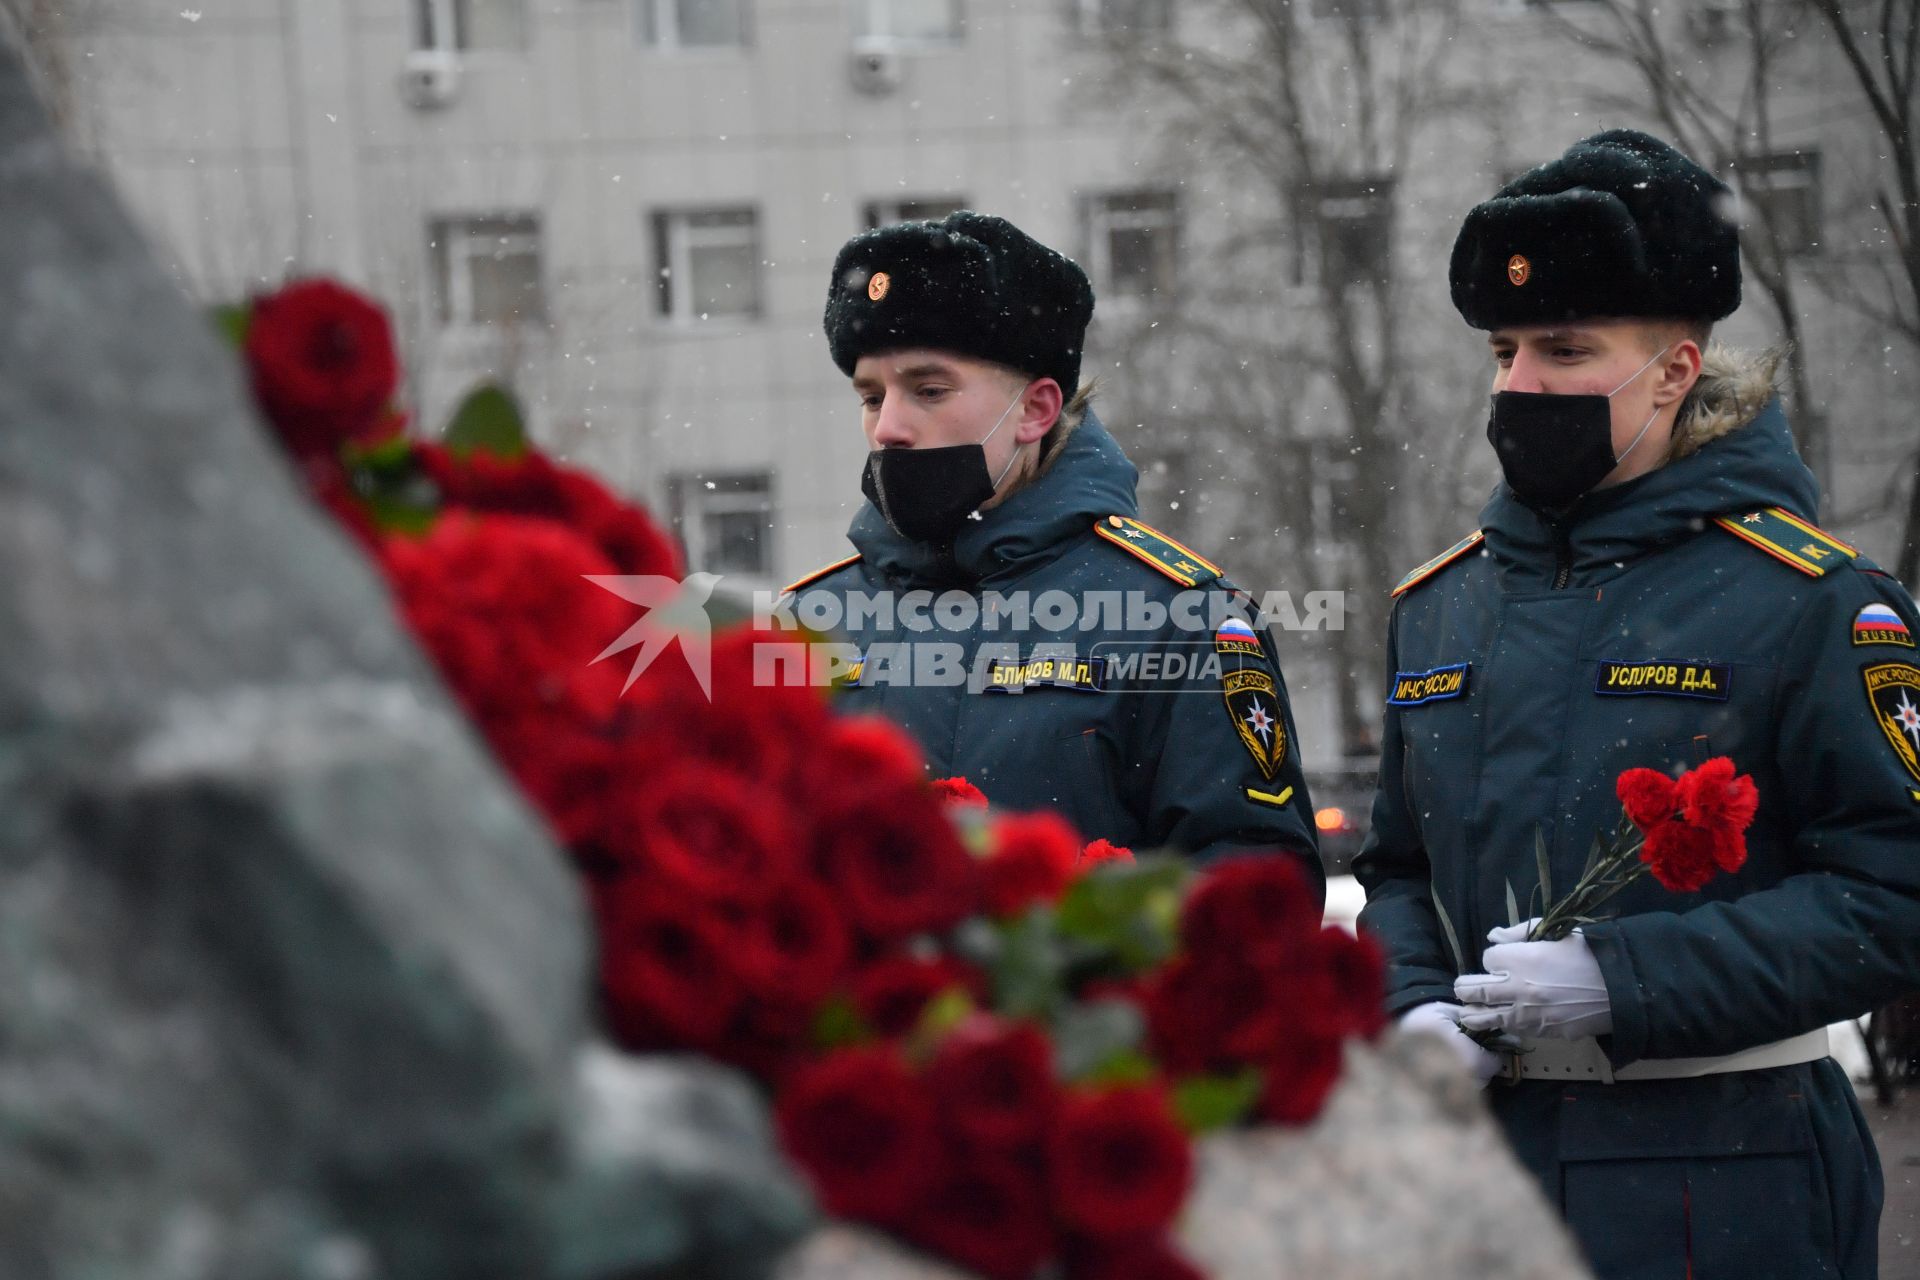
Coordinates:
[1647,795]
[891,993]
[1714,800]
[502,604]
[988,1214]
[534,485]
[1249,906]
[897,863]
[710,831]
[862,1126]
[322,363]
[958,791]
[664,968]
[794,945]
[1146,1257]
[995,1081]
[1032,862]
[1118,1162]
[1298,1075]
[1103,851]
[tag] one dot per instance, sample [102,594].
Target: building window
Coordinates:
[1784,189]
[1133,243]
[487,270]
[460,25]
[726,521]
[885,213]
[693,24]
[1119,17]
[709,263]
[1355,219]
[907,21]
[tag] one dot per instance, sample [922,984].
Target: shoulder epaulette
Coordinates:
[1789,539]
[1439,562]
[811,578]
[1147,543]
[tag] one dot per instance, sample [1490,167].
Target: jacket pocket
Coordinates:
[1091,797]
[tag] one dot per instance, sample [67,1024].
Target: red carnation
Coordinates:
[1682,858]
[1210,1012]
[1146,1257]
[1032,862]
[767,732]
[1714,800]
[1249,906]
[1348,991]
[1299,1074]
[565,765]
[958,791]
[892,992]
[995,1081]
[1103,851]
[1118,1162]
[664,968]
[897,863]
[862,1126]
[323,366]
[794,945]
[711,832]
[988,1213]
[1647,795]
[869,751]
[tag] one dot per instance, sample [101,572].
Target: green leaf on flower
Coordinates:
[1446,931]
[1543,863]
[838,1024]
[1129,910]
[391,455]
[1029,971]
[942,1014]
[1206,1103]
[231,320]
[1129,1067]
[488,421]
[1086,1036]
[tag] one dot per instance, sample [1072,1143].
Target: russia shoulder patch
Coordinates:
[1147,544]
[1879,624]
[1789,539]
[1439,562]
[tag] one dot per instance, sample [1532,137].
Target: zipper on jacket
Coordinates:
[1562,555]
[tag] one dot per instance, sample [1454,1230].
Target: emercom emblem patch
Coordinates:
[1894,690]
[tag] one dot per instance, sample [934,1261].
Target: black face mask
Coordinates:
[1554,448]
[927,494]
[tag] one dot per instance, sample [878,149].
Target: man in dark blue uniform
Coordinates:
[1008,607]
[1647,589]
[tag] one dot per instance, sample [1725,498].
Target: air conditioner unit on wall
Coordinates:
[875,69]
[430,78]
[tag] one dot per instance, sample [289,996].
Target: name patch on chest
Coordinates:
[1016,675]
[1417,688]
[1709,680]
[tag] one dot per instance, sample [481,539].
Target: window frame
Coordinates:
[448,234]
[673,254]
[1100,218]
[699,494]
[871,211]
[1801,167]
[868,35]
[663,18]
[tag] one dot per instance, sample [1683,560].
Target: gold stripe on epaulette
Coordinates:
[1186,565]
[1439,562]
[1811,550]
[818,574]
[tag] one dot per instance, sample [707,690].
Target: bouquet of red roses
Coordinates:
[978,1032]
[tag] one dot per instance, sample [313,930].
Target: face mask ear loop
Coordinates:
[1650,417]
[1011,458]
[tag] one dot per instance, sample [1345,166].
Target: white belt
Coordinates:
[1584,1059]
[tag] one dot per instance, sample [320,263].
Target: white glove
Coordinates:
[1443,1020]
[1536,988]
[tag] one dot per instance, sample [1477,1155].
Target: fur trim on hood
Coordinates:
[1733,387]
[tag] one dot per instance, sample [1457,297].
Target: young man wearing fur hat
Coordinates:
[1009,608]
[1675,1096]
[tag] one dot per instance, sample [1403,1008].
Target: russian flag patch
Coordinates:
[1879,624]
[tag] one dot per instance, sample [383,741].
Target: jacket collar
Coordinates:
[1752,467]
[1091,478]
